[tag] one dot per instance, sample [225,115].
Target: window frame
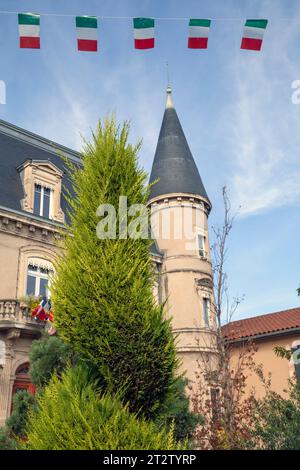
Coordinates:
[38,275]
[206,310]
[42,196]
[201,247]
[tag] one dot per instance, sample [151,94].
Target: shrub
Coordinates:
[176,411]
[23,401]
[73,415]
[47,355]
[7,442]
[276,424]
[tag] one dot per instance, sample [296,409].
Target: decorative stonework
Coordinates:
[29,227]
[181,200]
[46,174]
[205,283]
[33,254]
[13,310]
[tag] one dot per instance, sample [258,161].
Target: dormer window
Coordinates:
[42,183]
[42,201]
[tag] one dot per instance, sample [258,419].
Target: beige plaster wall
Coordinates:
[281,369]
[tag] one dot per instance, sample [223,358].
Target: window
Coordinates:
[42,201]
[42,188]
[201,245]
[38,280]
[205,308]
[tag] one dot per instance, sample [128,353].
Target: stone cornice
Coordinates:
[28,226]
[180,198]
[186,270]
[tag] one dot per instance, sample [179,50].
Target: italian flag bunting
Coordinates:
[86,27]
[198,33]
[143,33]
[253,34]
[29,30]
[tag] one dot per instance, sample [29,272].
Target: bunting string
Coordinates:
[160,18]
[144,30]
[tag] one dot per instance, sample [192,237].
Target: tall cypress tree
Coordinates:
[102,294]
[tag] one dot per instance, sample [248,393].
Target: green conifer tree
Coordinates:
[73,415]
[102,294]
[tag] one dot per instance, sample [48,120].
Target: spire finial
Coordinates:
[168,75]
[169,103]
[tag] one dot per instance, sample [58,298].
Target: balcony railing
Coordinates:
[13,310]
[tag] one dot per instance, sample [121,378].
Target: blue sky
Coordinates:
[235,107]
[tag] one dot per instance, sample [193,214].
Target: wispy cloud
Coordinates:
[264,124]
[81,104]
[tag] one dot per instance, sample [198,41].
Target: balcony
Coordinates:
[16,315]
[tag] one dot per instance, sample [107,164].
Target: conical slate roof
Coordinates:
[173,165]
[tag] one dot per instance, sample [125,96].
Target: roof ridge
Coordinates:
[264,315]
[261,325]
[37,140]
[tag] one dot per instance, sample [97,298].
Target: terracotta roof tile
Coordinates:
[263,324]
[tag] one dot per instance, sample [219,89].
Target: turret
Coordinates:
[179,220]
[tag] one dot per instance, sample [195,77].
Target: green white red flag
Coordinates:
[29,30]
[86,28]
[253,34]
[198,33]
[143,33]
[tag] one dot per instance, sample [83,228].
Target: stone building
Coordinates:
[32,212]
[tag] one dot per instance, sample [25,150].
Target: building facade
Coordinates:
[32,212]
[264,333]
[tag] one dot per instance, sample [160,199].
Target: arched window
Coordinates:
[39,273]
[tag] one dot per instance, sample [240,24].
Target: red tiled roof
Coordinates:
[263,324]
